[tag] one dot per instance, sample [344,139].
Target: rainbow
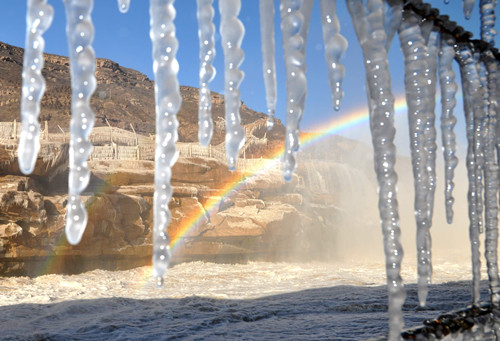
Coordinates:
[337,125]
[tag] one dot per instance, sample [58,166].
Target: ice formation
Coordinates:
[123,5]
[370,30]
[448,119]
[472,97]
[232,32]
[488,31]
[335,46]
[206,31]
[468,7]
[292,23]
[266,8]
[423,35]
[80,33]
[168,102]
[417,99]
[38,19]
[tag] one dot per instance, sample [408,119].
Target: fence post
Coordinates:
[14,130]
[46,130]
[110,131]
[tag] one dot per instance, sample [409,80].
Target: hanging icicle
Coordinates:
[168,102]
[430,128]
[296,83]
[266,8]
[335,46]
[470,88]
[448,120]
[80,33]
[370,30]
[123,5]
[417,99]
[38,19]
[232,32]
[488,18]
[206,31]
[468,7]
[491,182]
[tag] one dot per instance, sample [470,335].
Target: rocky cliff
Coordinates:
[216,215]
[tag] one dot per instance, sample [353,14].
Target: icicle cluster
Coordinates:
[38,19]
[370,29]
[335,46]
[266,8]
[80,33]
[232,32]
[168,102]
[375,23]
[206,31]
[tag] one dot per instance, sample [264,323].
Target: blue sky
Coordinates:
[124,38]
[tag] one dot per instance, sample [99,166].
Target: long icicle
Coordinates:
[488,32]
[468,6]
[206,32]
[417,98]
[232,32]
[335,46]
[80,33]
[266,8]
[38,19]
[430,128]
[369,27]
[480,110]
[448,119]
[296,83]
[168,102]
[123,5]
[491,183]
[470,86]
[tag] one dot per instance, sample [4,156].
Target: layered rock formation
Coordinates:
[216,215]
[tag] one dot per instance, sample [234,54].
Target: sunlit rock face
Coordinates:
[265,218]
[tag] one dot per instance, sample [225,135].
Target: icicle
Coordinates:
[392,19]
[296,83]
[268,61]
[335,46]
[480,111]
[430,129]
[369,27]
[206,31]
[168,102]
[123,5]
[470,87]
[38,19]
[80,33]
[306,11]
[232,32]
[491,183]
[417,99]
[468,7]
[448,120]
[488,31]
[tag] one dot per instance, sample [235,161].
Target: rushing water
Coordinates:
[258,301]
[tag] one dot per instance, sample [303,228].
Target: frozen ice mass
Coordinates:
[430,44]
